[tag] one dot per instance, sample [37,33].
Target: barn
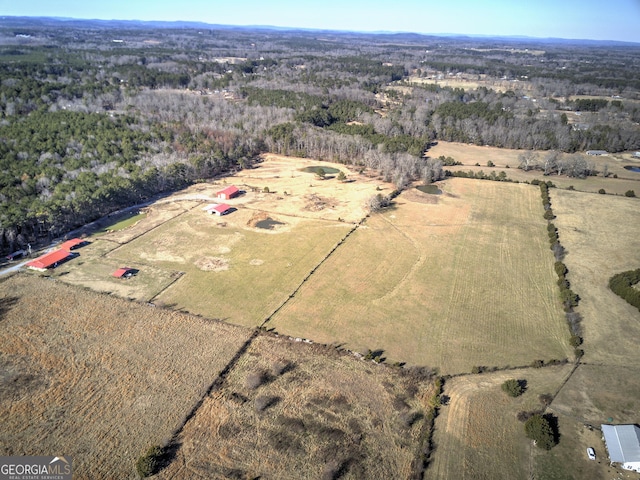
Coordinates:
[50,260]
[218,209]
[623,445]
[227,193]
[124,272]
[72,244]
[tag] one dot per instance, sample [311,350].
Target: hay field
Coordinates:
[97,377]
[294,411]
[465,281]
[469,155]
[477,435]
[602,236]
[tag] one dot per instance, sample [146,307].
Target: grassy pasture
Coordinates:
[233,272]
[290,410]
[465,281]
[477,435]
[95,266]
[469,155]
[97,377]
[602,236]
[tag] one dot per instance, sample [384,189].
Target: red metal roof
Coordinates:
[48,259]
[121,272]
[230,191]
[70,244]
[223,207]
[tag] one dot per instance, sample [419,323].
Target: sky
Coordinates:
[574,19]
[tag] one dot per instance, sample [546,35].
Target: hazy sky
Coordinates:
[583,19]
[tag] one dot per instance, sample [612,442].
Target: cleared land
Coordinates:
[295,411]
[97,377]
[602,236]
[458,280]
[470,155]
[477,435]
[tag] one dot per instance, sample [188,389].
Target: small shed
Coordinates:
[227,193]
[125,272]
[50,260]
[219,209]
[72,244]
[623,445]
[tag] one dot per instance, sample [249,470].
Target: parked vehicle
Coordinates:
[16,255]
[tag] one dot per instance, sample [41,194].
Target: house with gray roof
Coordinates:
[623,445]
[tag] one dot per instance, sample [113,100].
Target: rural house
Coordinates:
[623,445]
[227,193]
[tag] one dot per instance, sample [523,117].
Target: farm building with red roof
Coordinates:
[72,244]
[124,272]
[220,209]
[227,193]
[50,260]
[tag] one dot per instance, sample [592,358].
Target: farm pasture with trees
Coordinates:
[364,277]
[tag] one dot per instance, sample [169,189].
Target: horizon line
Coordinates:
[332,30]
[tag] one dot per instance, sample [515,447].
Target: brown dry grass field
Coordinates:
[454,281]
[477,435]
[295,411]
[473,83]
[602,237]
[97,377]
[469,155]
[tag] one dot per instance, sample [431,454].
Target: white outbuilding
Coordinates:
[623,445]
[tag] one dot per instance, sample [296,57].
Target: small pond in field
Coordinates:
[268,223]
[314,169]
[432,189]
[631,168]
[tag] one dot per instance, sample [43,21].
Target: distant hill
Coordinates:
[23,22]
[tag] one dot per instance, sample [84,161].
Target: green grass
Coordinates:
[262,269]
[124,223]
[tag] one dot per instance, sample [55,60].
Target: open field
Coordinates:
[97,377]
[469,155]
[295,411]
[602,236]
[453,280]
[470,83]
[182,252]
[477,435]
[473,285]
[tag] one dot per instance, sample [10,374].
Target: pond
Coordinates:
[631,168]
[432,189]
[268,223]
[314,169]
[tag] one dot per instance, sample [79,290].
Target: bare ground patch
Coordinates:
[212,264]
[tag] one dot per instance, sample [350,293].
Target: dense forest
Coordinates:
[96,116]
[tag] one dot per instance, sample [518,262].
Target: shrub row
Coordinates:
[569,298]
[622,284]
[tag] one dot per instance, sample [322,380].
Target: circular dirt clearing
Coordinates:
[212,264]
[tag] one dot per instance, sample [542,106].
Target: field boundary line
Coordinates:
[313,270]
[173,445]
[148,231]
